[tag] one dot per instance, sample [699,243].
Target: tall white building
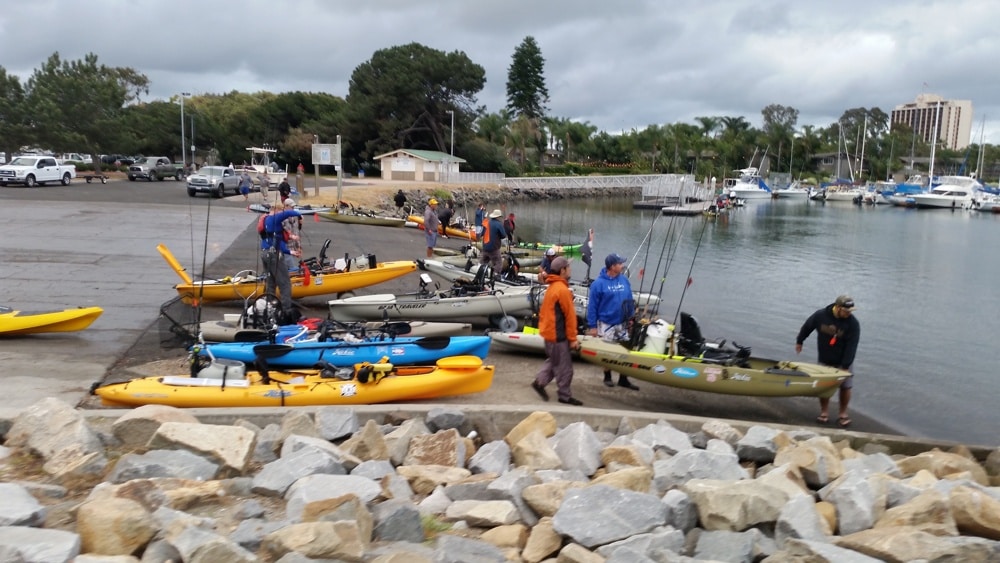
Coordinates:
[954,119]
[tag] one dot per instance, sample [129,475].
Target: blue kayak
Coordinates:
[400,351]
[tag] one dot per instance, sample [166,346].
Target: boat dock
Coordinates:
[685,209]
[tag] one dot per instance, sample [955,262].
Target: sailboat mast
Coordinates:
[864,137]
[934,140]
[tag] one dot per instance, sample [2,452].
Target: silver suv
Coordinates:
[213,180]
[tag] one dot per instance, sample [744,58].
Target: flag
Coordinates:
[689,282]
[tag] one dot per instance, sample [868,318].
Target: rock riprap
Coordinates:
[157,484]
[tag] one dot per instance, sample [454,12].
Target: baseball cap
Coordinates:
[289,202]
[612,259]
[845,302]
[433,201]
[496,213]
[558,264]
[550,252]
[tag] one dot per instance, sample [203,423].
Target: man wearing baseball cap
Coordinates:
[557,326]
[493,235]
[610,308]
[837,336]
[431,224]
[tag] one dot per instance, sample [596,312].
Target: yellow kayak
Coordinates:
[450,231]
[14,323]
[366,384]
[248,284]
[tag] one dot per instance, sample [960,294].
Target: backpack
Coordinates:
[261,229]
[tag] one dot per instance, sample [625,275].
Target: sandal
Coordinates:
[822,419]
[844,421]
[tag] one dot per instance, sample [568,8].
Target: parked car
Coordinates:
[36,171]
[155,168]
[122,160]
[213,180]
[74,158]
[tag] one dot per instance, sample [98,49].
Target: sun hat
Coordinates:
[289,202]
[845,302]
[558,264]
[612,259]
[496,213]
[550,252]
[433,201]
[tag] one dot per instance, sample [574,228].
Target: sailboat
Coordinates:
[844,192]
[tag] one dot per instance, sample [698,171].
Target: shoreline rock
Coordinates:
[154,485]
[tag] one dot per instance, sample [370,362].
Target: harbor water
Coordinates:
[922,280]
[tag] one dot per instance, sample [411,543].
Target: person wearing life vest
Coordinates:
[493,235]
[273,250]
[508,226]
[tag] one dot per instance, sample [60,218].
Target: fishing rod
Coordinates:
[689,281]
[652,309]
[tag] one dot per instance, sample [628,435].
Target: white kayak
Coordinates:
[499,306]
[230,331]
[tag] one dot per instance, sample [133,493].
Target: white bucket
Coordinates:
[657,334]
[219,368]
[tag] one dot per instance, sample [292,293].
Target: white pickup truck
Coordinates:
[36,171]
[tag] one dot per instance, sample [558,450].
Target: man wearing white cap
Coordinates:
[493,235]
[293,229]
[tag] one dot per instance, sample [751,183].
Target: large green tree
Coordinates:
[14,122]
[526,91]
[78,105]
[401,97]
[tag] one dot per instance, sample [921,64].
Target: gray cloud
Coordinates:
[617,65]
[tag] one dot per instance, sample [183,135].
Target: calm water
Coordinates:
[923,282]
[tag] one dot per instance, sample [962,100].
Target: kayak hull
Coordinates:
[399,351]
[459,375]
[17,323]
[232,288]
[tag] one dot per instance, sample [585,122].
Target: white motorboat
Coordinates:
[849,194]
[952,192]
[749,185]
[260,163]
[792,191]
[499,305]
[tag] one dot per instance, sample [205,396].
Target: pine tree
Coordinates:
[526,91]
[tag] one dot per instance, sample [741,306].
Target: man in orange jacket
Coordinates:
[557,325]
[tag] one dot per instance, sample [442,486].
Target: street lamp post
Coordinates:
[452,150]
[183,148]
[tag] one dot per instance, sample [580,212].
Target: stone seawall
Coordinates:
[446,484]
[417,194]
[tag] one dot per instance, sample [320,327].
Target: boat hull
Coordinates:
[469,234]
[509,301]
[355,219]
[228,289]
[16,323]
[450,376]
[757,377]
[526,341]
[227,331]
[399,351]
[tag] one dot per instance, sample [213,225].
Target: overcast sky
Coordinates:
[616,64]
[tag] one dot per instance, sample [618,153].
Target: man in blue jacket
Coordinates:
[837,335]
[610,307]
[493,235]
[273,250]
